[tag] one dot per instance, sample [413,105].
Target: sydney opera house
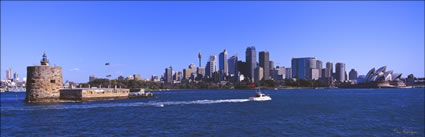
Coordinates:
[383,78]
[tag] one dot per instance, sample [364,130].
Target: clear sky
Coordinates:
[143,37]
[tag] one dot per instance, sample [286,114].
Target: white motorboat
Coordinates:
[260,97]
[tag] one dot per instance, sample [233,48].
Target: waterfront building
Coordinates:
[251,60]
[258,74]
[168,75]
[288,73]
[329,70]
[233,65]
[340,71]
[265,64]
[319,67]
[223,67]
[304,68]
[44,81]
[381,75]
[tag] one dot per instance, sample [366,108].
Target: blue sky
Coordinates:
[143,37]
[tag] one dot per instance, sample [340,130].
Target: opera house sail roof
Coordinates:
[380,75]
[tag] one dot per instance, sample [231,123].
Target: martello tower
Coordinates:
[43,82]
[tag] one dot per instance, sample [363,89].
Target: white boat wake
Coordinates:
[129,104]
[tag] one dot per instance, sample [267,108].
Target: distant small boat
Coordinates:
[260,97]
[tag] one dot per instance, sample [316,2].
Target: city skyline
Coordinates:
[80,56]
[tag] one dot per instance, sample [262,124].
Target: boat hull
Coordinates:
[266,98]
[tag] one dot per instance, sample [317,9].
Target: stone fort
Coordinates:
[45,84]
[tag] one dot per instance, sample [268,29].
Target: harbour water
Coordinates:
[291,112]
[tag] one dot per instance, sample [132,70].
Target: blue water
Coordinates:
[295,112]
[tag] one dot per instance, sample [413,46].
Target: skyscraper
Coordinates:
[288,73]
[9,74]
[168,76]
[233,65]
[137,77]
[323,73]
[187,73]
[211,66]
[280,73]
[200,57]
[319,67]
[329,70]
[258,74]
[200,73]
[340,71]
[272,69]
[15,77]
[304,68]
[243,69]
[251,60]
[223,62]
[265,64]
[193,68]
[353,74]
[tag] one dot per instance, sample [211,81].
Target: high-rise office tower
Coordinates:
[340,71]
[258,74]
[288,73]
[200,73]
[329,70]
[15,77]
[233,65]
[251,60]
[319,67]
[9,74]
[223,62]
[200,57]
[265,64]
[323,73]
[193,68]
[137,77]
[211,66]
[272,68]
[304,68]
[187,73]
[353,74]
[279,73]
[243,69]
[168,75]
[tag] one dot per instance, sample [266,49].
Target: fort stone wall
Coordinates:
[43,83]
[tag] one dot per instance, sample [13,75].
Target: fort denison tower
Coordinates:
[43,82]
